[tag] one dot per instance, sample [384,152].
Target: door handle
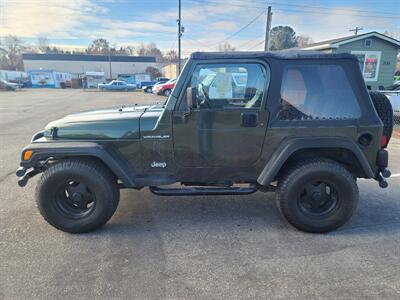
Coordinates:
[181,117]
[249,119]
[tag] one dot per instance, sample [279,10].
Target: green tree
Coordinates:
[282,37]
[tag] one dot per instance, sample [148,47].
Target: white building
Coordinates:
[14,76]
[80,64]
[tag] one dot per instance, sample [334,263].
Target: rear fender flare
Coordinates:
[282,153]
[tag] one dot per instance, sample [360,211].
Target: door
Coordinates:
[227,128]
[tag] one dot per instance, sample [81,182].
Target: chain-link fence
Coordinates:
[396,119]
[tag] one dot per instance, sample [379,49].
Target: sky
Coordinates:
[75,23]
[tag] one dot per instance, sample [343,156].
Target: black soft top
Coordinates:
[283,54]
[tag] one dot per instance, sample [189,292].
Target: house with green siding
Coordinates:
[376,52]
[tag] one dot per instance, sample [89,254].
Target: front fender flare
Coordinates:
[282,153]
[57,150]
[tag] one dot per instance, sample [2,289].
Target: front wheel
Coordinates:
[77,195]
[167,92]
[317,195]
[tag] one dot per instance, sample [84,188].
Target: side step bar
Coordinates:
[202,191]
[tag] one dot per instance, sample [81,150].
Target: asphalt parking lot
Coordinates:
[185,247]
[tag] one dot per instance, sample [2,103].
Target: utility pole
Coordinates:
[268,29]
[179,36]
[109,61]
[356,30]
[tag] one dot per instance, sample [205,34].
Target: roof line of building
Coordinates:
[335,43]
[87,57]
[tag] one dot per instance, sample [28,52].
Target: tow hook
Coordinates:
[20,171]
[384,173]
[24,175]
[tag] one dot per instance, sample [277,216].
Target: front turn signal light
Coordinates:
[27,154]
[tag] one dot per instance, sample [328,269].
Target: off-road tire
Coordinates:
[100,180]
[385,111]
[167,92]
[296,177]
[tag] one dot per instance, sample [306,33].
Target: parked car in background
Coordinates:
[136,78]
[395,100]
[148,87]
[164,89]
[393,87]
[162,79]
[393,93]
[8,86]
[117,85]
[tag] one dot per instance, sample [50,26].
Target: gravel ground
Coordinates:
[184,247]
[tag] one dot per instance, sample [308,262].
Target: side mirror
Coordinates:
[191,101]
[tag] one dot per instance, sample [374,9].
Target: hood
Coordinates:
[112,123]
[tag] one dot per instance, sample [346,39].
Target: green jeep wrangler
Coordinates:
[300,124]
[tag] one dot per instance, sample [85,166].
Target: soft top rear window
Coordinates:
[323,92]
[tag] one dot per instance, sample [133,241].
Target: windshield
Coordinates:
[169,103]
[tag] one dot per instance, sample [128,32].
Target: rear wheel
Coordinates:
[148,90]
[317,196]
[77,195]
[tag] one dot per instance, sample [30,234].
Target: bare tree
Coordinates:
[171,57]
[99,46]
[130,50]
[11,56]
[392,34]
[154,72]
[43,44]
[150,50]
[225,47]
[304,40]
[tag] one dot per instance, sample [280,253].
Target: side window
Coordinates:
[310,92]
[229,85]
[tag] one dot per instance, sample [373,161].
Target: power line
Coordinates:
[256,45]
[303,11]
[322,7]
[251,41]
[239,30]
[243,28]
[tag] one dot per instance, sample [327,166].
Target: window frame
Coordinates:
[263,64]
[317,120]
[367,43]
[365,53]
